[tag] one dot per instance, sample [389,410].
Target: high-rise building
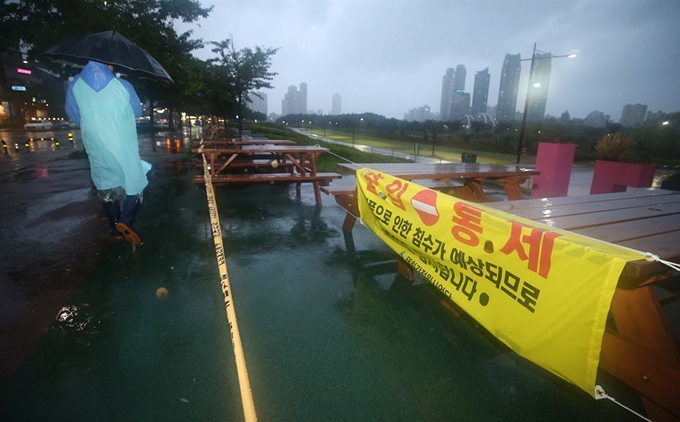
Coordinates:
[337,104]
[294,101]
[460,106]
[657,117]
[419,114]
[538,87]
[453,81]
[596,119]
[303,98]
[633,115]
[492,110]
[565,117]
[480,95]
[507,95]
[258,102]
[459,81]
[447,94]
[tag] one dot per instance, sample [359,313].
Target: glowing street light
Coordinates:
[534,85]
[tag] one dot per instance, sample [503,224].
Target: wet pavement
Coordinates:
[330,330]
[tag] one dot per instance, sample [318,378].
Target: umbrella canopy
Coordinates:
[108,47]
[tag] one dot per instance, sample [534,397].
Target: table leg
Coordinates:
[638,315]
[512,189]
[349,203]
[642,352]
[317,193]
[226,163]
[655,378]
[476,188]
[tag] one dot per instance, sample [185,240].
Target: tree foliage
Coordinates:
[245,70]
[39,24]
[218,87]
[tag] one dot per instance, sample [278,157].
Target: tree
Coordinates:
[149,23]
[247,70]
[10,23]
[39,24]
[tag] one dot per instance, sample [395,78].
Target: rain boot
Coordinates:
[112,211]
[131,206]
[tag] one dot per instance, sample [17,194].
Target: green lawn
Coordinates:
[443,152]
[328,162]
[325,162]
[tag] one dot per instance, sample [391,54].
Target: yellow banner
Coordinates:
[542,291]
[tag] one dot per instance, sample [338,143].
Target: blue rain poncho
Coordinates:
[105,107]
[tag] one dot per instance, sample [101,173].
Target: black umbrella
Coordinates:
[108,47]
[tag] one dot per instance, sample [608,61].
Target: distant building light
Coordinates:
[24,71]
[18,88]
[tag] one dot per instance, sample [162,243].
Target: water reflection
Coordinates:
[445,366]
[72,319]
[264,218]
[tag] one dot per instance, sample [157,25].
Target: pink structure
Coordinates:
[555,162]
[612,176]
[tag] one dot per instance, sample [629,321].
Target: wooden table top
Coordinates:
[645,220]
[411,171]
[246,142]
[276,149]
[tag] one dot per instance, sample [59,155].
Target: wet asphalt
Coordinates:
[331,332]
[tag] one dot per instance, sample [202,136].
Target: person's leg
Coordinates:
[131,206]
[111,205]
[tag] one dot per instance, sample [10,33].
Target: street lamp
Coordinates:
[534,85]
[353,127]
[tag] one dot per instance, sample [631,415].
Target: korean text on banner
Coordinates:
[542,291]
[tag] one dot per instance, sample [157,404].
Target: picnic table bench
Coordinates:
[255,163]
[639,346]
[303,169]
[462,180]
[239,141]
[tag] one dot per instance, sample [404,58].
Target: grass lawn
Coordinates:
[325,162]
[443,152]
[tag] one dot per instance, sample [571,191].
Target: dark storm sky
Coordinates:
[387,57]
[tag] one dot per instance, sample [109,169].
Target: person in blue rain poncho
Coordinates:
[105,107]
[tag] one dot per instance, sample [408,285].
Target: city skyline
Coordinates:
[388,68]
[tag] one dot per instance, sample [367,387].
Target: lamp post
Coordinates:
[353,127]
[530,85]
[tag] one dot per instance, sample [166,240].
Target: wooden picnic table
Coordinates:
[302,157]
[638,346]
[471,174]
[240,142]
[439,176]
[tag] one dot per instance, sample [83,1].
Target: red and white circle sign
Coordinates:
[425,204]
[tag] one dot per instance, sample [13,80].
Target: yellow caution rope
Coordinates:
[244,381]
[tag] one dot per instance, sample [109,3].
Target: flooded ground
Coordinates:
[330,330]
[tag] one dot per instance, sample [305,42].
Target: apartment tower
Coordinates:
[480,94]
[507,94]
[538,87]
